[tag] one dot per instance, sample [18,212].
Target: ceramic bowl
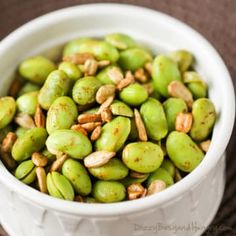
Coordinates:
[183,209]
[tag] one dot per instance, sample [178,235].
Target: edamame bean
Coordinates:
[120,41]
[134,58]
[28,87]
[183,58]
[25,172]
[204,117]
[62,114]
[184,153]
[59,186]
[169,167]
[113,170]
[195,84]
[143,157]
[7,111]
[108,191]
[32,141]
[114,134]
[78,176]
[84,90]
[172,107]
[121,109]
[27,103]
[154,118]
[71,70]
[164,70]
[134,94]
[56,85]
[36,69]
[73,143]
[161,174]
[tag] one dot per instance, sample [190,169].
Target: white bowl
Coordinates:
[183,209]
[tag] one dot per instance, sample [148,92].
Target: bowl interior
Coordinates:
[157,31]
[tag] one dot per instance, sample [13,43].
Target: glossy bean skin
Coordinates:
[108,191]
[182,150]
[120,108]
[71,70]
[113,170]
[73,143]
[84,90]
[28,87]
[160,174]
[59,186]
[56,85]
[114,134]
[164,71]
[195,84]
[154,118]
[100,49]
[25,172]
[103,75]
[184,59]
[133,95]
[27,103]
[31,141]
[78,176]
[36,69]
[61,115]
[143,157]
[120,41]
[169,167]
[204,117]
[172,107]
[134,58]
[7,111]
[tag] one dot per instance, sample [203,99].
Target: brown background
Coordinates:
[215,19]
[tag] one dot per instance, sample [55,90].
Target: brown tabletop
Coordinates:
[215,19]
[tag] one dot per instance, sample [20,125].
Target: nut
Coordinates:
[140,126]
[8,142]
[24,120]
[129,79]
[179,90]
[79,198]
[140,75]
[183,122]
[7,159]
[149,87]
[205,145]
[41,176]
[137,175]
[15,87]
[106,114]
[98,158]
[96,133]
[57,164]
[39,117]
[90,126]
[85,118]
[90,67]
[156,186]
[78,58]
[78,127]
[106,104]
[103,63]
[115,75]
[177,176]
[148,67]
[135,190]
[104,92]
[39,159]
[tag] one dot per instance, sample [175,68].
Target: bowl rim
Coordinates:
[171,194]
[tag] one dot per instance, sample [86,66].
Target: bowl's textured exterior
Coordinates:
[184,209]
